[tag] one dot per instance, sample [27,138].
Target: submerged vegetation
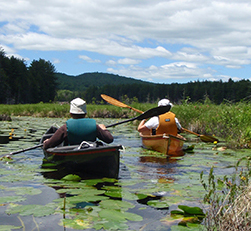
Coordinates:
[229,122]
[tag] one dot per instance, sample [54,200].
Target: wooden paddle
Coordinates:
[115,102]
[118,103]
[23,150]
[204,138]
[145,115]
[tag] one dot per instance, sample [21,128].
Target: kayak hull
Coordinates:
[166,144]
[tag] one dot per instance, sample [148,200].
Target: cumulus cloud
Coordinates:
[88,59]
[158,40]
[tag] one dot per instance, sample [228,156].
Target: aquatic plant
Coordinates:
[229,199]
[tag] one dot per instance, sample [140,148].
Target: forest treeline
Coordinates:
[21,84]
[91,85]
[39,82]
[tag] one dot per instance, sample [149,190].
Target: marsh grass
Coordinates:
[229,122]
[229,199]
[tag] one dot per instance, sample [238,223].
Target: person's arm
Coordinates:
[146,127]
[58,137]
[142,128]
[179,127]
[103,134]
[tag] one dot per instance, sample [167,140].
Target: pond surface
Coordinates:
[149,186]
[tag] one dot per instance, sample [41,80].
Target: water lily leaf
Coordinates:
[115,194]
[181,228]
[25,190]
[191,210]
[116,204]
[86,191]
[76,224]
[82,198]
[110,180]
[112,215]
[9,227]
[93,182]
[141,196]
[158,204]
[48,170]
[71,177]
[35,210]
[9,199]
[110,225]
[177,212]
[118,216]
[132,216]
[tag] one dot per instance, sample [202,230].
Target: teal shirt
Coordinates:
[79,130]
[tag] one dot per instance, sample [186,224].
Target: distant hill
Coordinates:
[91,85]
[84,81]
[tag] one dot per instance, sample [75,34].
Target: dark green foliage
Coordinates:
[91,85]
[86,80]
[20,84]
[43,80]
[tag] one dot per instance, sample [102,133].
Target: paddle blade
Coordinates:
[117,103]
[208,139]
[154,112]
[113,101]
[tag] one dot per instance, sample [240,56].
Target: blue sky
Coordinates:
[161,41]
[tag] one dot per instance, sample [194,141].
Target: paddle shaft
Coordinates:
[150,113]
[186,130]
[24,150]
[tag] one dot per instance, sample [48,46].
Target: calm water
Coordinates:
[149,187]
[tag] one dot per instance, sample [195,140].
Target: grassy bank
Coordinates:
[229,122]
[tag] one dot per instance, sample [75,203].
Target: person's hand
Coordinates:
[102,126]
[45,140]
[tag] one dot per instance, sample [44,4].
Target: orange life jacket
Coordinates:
[167,124]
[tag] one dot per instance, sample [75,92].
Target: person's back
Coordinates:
[81,129]
[78,128]
[166,123]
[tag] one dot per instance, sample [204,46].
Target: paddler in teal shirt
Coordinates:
[78,128]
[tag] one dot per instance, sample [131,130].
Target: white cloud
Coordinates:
[148,39]
[127,61]
[55,61]
[88,59]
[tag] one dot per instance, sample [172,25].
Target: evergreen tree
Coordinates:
[43,81]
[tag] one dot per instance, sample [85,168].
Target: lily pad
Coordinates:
[9,227]
[9,199]
[35,210]
[72,177]
[118,216]
[116,204]
[25,190]
[191,210]
[158,204]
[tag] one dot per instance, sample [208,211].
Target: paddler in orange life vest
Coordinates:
[163,124]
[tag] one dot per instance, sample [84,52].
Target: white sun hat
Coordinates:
[78,106]
[164,102]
